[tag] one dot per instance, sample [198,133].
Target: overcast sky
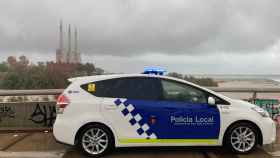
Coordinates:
[187,36]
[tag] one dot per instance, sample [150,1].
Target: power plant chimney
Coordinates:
[71,56]
[76,41]
[60,36]
[69,39]
[60,56]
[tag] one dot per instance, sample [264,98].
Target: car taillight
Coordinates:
[62,102]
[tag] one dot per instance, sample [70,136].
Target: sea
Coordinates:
[275,77]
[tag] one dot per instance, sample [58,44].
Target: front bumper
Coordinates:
[269,131]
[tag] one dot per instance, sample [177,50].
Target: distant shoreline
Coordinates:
[239,76]
[239,80]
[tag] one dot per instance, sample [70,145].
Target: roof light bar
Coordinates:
[154,70]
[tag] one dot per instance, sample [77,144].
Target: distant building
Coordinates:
[70,56]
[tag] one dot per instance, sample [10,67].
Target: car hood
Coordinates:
[243,103]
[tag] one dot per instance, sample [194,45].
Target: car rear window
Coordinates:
[147,88]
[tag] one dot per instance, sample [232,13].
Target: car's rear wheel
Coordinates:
[96,140]
[242,138]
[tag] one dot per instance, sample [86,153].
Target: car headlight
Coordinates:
[261,111]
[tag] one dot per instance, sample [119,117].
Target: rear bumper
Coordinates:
[63,132]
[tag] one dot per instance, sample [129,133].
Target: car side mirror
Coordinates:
[211,101]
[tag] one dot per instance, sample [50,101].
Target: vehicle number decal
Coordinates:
[91,87]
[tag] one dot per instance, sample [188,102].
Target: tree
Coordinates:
[11,81]
[11,60]
[23,75]
[3,67]
[23,61]
[87,69]
[99,71]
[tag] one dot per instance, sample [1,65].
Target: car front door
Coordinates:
[187,114]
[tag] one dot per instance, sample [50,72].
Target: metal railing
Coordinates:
[41,114]
[254,91]
[30,92]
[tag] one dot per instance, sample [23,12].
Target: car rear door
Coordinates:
[129,105]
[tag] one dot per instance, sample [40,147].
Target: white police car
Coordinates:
[99,113]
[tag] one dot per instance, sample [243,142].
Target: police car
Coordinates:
[99,113]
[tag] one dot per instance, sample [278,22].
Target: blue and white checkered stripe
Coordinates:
[135,119]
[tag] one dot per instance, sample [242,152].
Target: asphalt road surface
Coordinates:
[43,145]
[172,152]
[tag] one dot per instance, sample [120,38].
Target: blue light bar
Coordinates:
[154,70]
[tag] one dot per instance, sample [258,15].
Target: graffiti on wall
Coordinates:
[6,112]
[44,114]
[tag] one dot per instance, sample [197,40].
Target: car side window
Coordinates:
[146,88]
[138,88]
[175,91]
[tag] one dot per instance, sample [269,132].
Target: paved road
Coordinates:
[43,145]
[171,152]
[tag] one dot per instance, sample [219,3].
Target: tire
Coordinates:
[96,140]
[241,138]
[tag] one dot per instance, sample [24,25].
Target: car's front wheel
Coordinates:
[242,138]
[95,140]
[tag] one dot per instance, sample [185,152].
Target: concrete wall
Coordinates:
[39,112]
[27,115]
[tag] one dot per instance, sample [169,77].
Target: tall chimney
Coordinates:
[69,39]
[76,40]
[60,36]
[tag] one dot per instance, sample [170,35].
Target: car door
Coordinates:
[197,122]
[129,104]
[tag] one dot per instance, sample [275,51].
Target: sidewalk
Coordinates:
[30,145]
[274,149]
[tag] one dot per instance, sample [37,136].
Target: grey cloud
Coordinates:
[129,27]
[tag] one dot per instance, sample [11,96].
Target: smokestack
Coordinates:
[60,36]
[76,40]
[69,39]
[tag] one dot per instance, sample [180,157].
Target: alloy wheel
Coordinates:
[243,139]
[95,141]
